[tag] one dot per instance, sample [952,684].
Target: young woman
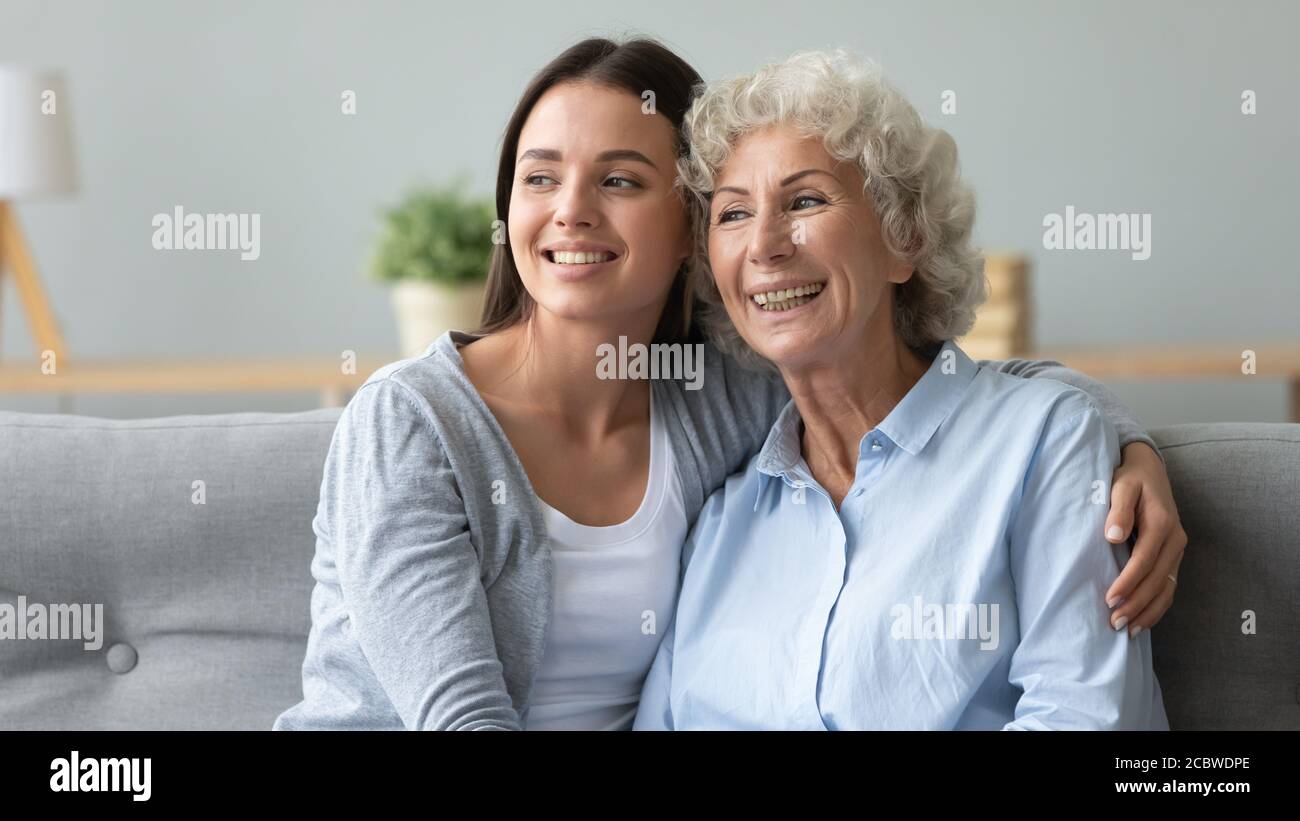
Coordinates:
[499,529]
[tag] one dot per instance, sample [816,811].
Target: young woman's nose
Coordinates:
[576,208]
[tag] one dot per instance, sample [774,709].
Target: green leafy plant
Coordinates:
[436,234]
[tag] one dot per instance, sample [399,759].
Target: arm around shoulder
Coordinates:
[1127,425]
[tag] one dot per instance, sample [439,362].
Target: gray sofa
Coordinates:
[206,606]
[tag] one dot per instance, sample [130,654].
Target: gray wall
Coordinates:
[234,106]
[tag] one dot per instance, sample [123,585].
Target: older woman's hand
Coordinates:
[1145,588]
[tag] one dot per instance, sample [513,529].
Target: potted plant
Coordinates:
[435,250]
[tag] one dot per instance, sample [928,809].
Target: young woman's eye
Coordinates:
[529,180]
[627,182]
[806,198]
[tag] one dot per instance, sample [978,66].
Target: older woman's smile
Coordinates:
[838,239]
[797,247]
[785,296]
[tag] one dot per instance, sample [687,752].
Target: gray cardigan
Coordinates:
[432,565]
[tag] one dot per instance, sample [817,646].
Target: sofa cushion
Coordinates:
[205,606]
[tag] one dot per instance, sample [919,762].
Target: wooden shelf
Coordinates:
[1273,360]
[191,376]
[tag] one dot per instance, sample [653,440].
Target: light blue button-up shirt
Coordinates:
[961,584]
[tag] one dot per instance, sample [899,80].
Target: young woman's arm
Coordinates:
[408,574]
[1127,426]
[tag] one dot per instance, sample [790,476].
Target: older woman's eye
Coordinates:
[726,216]
[808,198]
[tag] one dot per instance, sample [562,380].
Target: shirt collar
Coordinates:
[913,421]
[910,425]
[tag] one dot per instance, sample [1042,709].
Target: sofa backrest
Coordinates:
[194,533]
[1227,654]
[205,597]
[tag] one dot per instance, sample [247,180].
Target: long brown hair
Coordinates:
[636,66]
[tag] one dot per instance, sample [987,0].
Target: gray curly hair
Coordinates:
[912,178]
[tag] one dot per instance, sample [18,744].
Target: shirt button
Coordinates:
[875,444]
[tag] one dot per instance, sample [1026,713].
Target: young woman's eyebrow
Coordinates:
[625,154]
[551,155]
[795,177]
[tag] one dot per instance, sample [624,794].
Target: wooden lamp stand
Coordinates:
[15,257]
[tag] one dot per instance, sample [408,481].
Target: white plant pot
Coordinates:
[427,310]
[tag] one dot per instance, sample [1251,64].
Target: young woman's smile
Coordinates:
[576,261]
[596,226]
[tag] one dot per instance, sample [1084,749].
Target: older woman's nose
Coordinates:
[772,241]
[576,208]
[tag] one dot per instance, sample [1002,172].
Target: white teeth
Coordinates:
[786,305]
[580,257]
[787,298]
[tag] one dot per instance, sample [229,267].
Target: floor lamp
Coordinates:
[35,161]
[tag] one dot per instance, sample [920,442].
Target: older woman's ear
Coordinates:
[904,273]
[900,270]
[905,255]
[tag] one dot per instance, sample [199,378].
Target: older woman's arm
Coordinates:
[655,712]
[1141,495]
[1074,669]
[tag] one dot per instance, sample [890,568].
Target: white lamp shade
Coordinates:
[35,135]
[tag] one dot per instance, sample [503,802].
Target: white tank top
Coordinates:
[614,589]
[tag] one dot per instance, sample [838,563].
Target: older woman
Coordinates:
[919,542]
